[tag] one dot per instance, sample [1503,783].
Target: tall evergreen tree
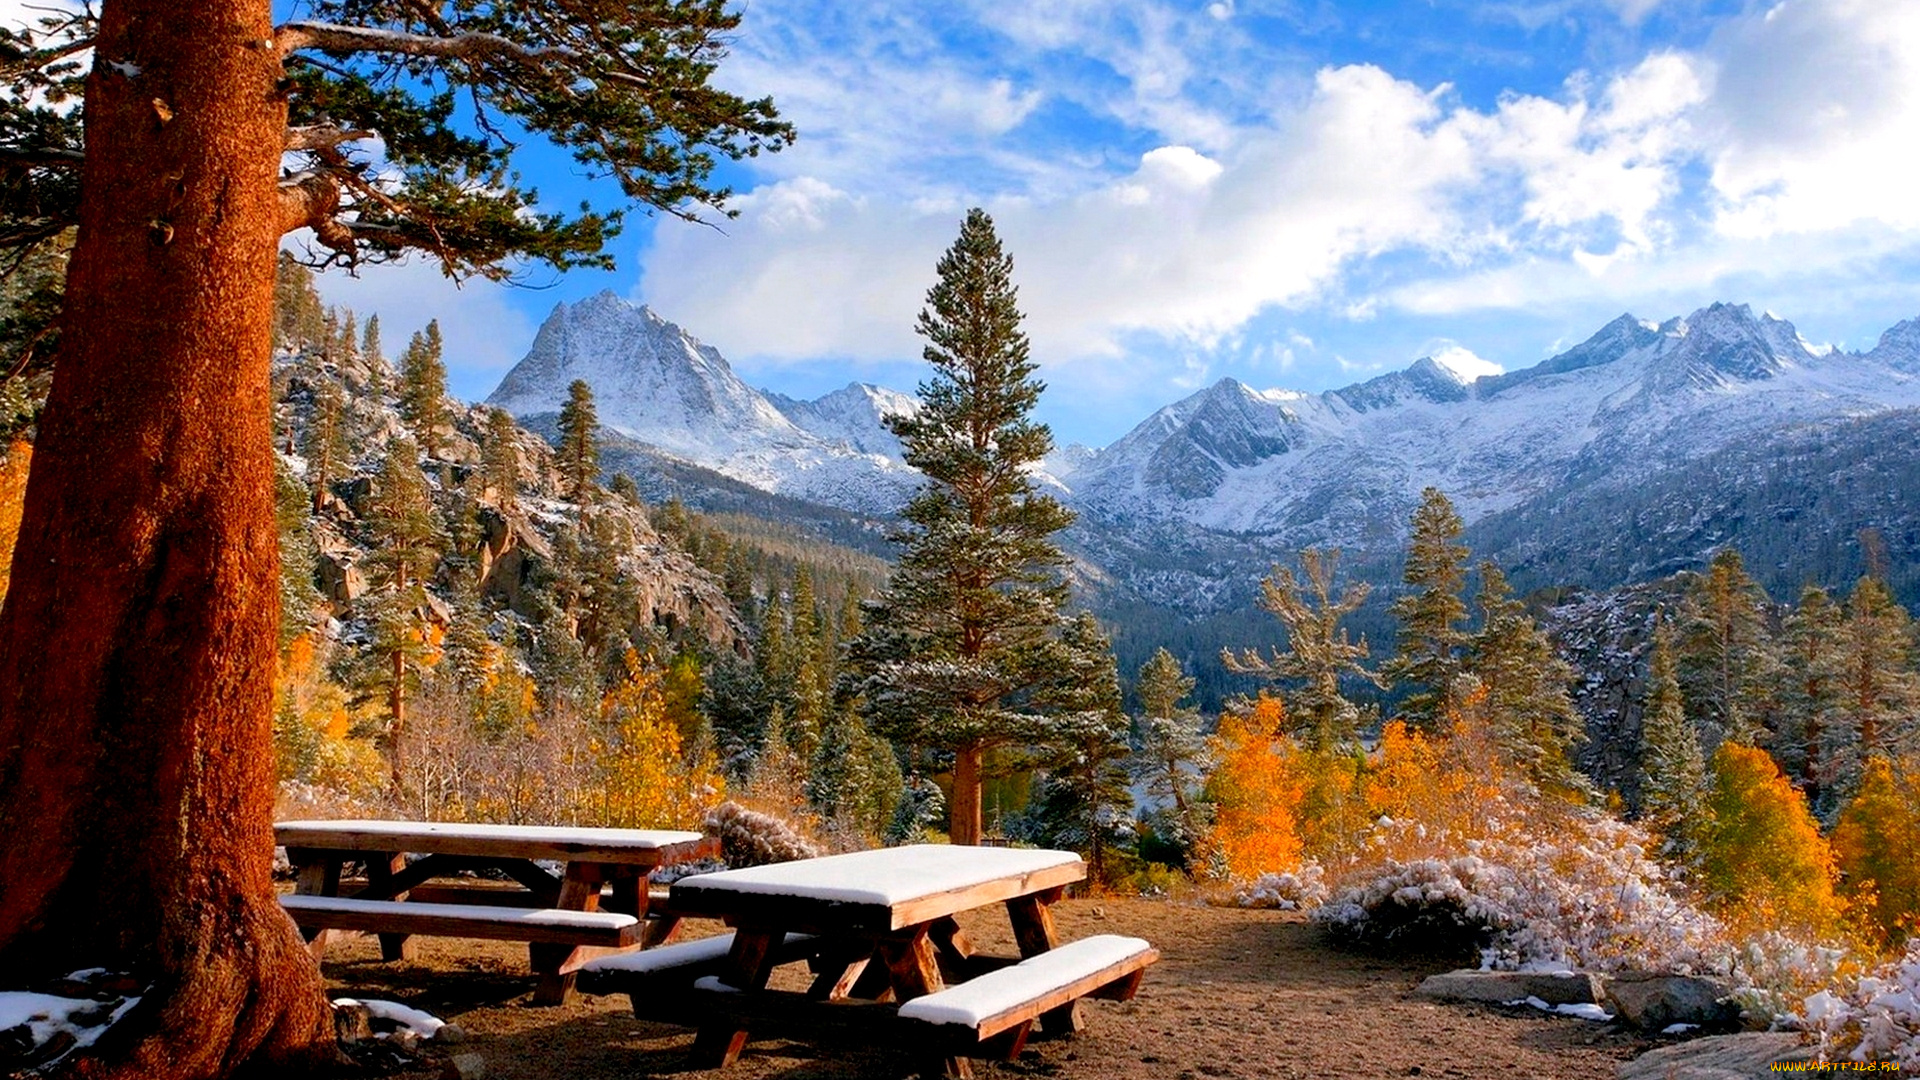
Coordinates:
[1673,787]
[500,458]
[1169,749]
[370,346]
[299,319]
[407,548]
[327,436]
[1810,692]
[1526,685]
[1880,693]
[1726,653]
[579,449]
[1431,638]
[1083,801]
[966,627]
[423,388]
[1319,653]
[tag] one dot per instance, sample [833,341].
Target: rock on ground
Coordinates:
[1502,987]
[1651,1001]
[1719,1057]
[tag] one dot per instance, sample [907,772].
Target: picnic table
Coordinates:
[888,959]
[573,894]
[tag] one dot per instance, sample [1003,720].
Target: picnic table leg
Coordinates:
[953,948]
[579,891]
[749,966]
[913,966]
[381,867]
[839,968]
[316,873]
[1032,918]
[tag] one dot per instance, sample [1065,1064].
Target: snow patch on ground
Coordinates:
[422,1024]
[1579,1010]
[47,1016]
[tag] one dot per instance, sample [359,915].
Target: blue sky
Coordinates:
[1294,193]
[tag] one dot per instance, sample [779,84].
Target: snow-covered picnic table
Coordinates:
[878,931]
[562,913]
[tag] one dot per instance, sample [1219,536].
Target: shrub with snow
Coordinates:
[750,838]
[1584,894]
[1296,890]
[1877,1019]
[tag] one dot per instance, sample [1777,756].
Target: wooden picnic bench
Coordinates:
[888,961]
[596,903]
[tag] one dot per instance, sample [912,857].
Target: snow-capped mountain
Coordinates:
[1188,509]
[659,386]
[1346,466]
[855,415]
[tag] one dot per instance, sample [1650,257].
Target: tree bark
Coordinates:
[963,817]
[137,641]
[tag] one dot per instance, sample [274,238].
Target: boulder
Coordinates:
[1749,1056]
[1651,1001]
[337,578]
[1501,987]
[352,1022]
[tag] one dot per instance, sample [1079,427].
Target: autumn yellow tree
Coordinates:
[1256,792]
[1762,858]
[1875,843]
[13,487]
[646,780]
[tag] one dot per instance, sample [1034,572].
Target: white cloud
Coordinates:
[1185,245]
[1357,196]
[1813,117]
[1462,362]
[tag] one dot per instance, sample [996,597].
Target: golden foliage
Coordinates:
[1875,843]
[1256,791]
[1763,861]
[13,491]
[646,781]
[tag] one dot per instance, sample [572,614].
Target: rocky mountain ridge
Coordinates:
[1191,506]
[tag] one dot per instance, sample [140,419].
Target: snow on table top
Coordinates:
[429,831]
[991,994]
[595,920]
[884,877]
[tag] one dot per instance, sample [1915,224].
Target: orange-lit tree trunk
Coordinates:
[964,817]
[137,640]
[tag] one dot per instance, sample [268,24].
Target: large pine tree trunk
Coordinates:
[963,817]
[137,641]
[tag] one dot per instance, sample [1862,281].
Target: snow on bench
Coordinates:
[547,925]
[1013,995]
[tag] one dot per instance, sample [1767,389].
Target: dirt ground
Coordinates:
[1237,993]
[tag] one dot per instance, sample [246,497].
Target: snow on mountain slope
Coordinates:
[655,383]
[1344,467]
[855,415]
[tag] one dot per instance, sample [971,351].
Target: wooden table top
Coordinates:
[645,847]
[879,890]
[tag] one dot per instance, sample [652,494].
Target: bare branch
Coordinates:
[310,200]
[335,38]
[36,157]
[322,136]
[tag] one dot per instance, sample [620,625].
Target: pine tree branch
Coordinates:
[322,136]
[335,38]
[37,157]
